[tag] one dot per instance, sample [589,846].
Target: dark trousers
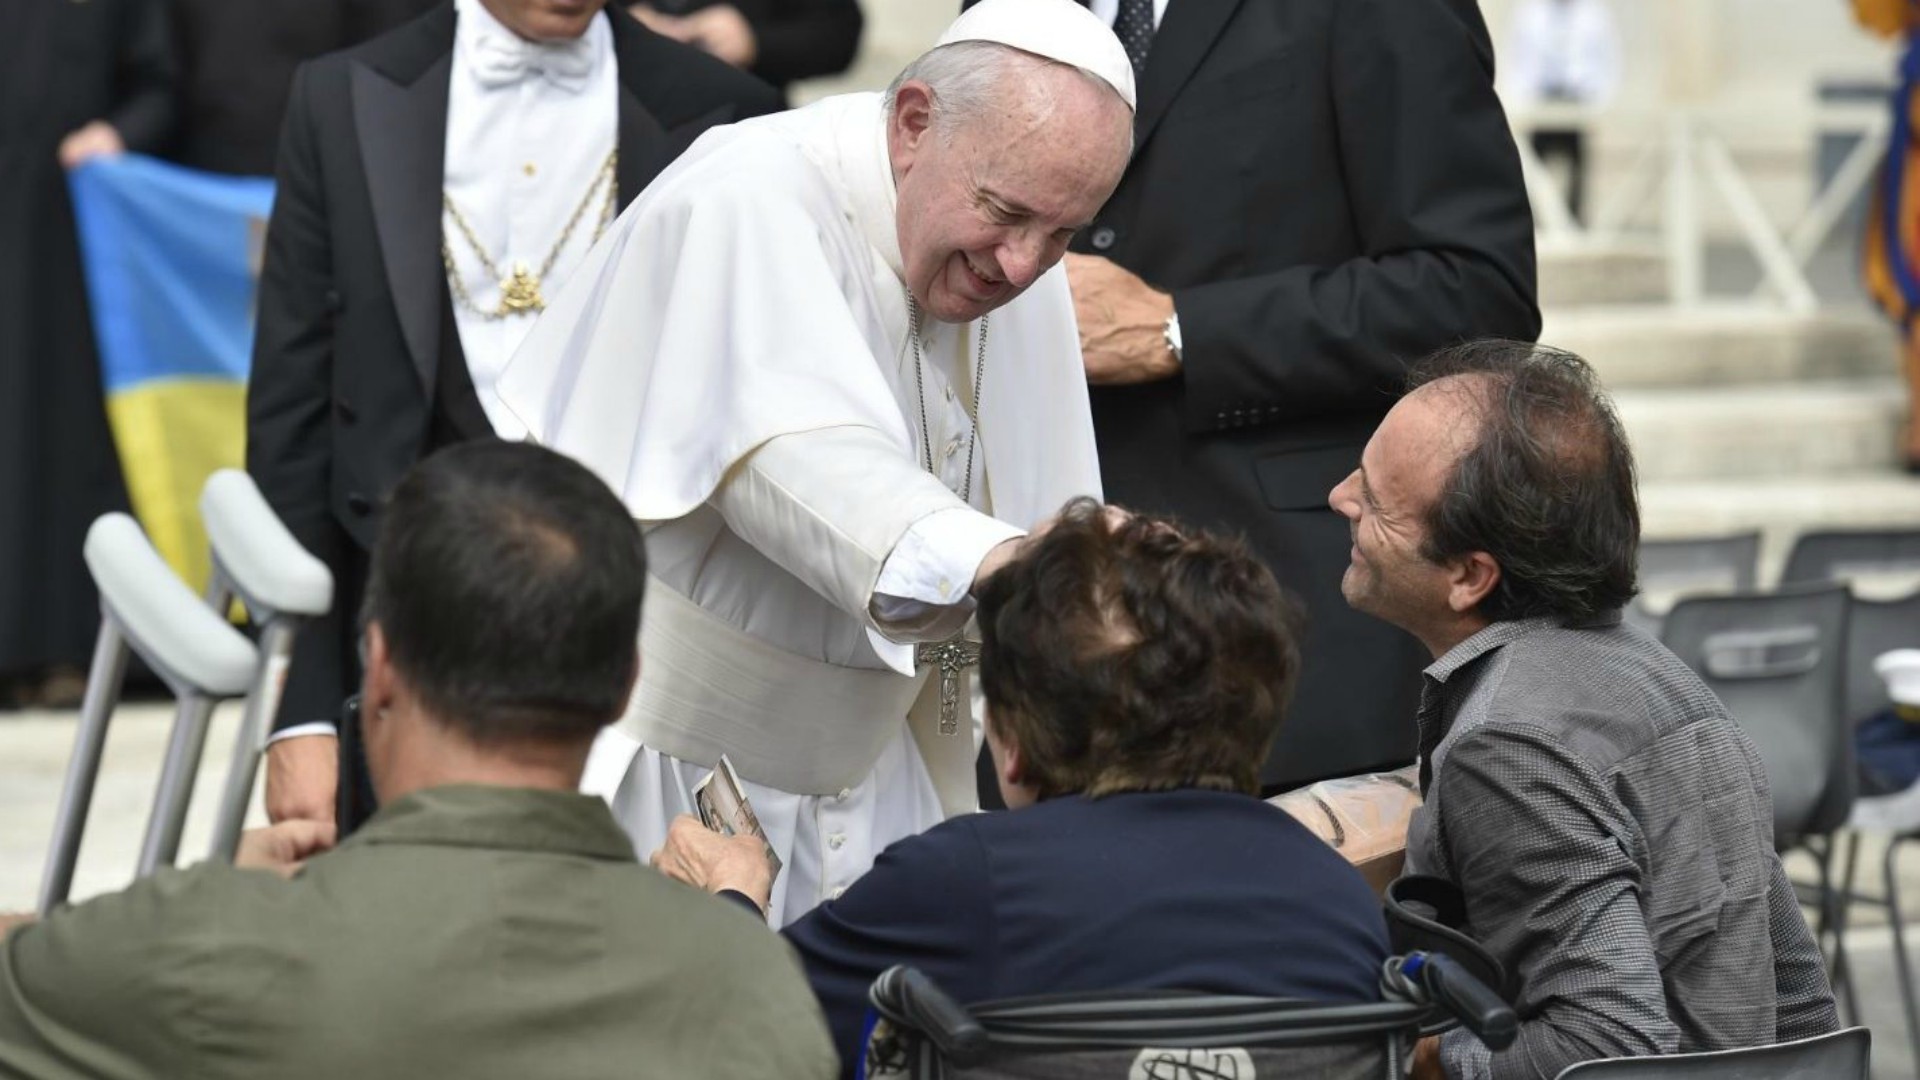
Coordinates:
[1568,144]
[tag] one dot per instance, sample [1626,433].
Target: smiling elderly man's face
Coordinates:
[987,203]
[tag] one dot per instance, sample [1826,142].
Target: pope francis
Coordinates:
[829,360]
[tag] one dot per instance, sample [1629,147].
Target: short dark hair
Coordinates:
[1548,487]
[1136,655]
[507,583]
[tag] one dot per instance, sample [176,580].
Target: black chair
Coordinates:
[1841,1055]
[1851,555]
[1862,559]
[924,1034]
[1776,660]
[1695,565]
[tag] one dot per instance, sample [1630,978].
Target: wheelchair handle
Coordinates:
[1480,1010]
[944,1021]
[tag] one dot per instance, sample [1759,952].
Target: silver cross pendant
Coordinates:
[954,656]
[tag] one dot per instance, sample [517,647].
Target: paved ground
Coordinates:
[34,747]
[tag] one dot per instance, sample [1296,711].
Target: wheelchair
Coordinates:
[920,1033]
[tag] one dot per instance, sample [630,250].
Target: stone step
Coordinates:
[1658,345]
[1781,508]
[1580,273]
[1776,430]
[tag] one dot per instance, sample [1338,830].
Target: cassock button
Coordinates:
[845,794]
[837,892]
[1103,237]
[837,841]
[359,505]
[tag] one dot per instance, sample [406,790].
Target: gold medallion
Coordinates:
[520,291]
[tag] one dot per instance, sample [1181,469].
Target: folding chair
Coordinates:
[1692,566]
[923,1034]
[257,561]
[1840,1055]
[202,659]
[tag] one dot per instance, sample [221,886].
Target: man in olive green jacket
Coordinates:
[489,921]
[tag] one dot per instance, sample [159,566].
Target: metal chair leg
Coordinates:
[89,741]
[1901,968]
[169,819]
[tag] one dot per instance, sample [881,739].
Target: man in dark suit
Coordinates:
[435,185]
[1321,191]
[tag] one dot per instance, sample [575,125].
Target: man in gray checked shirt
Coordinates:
[1607,822]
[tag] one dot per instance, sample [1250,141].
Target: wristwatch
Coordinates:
[1172,333]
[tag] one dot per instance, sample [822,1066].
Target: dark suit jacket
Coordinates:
[1330,191]
[355,324]
[237,59]
[798,39]
[1193,890]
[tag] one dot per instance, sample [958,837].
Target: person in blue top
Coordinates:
[1135,673]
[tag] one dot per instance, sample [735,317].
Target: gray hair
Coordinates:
[966,76]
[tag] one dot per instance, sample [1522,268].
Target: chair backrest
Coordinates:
[1775,660]
[1854,556]
[1876,627]
[1840,1055]
[1671,569]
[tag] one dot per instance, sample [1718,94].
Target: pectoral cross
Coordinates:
[954,656]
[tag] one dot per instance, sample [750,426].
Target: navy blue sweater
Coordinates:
[1193,890]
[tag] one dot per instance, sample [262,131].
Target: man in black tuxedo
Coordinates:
[1321,192]
[435,186]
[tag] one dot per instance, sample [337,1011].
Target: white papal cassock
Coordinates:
[734,359]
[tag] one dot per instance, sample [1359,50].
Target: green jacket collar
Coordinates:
[501,818]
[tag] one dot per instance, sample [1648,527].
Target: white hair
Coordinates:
[966,78]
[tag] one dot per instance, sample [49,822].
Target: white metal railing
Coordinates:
[1686,162]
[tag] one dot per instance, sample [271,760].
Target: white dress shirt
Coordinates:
[529,128]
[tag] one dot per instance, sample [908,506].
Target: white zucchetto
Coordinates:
[1058,30]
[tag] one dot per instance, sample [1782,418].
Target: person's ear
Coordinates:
[377,686]
[911,122]
[1472,578]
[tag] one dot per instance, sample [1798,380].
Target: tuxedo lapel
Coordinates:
[644,143]
[1186,35]
[400,114]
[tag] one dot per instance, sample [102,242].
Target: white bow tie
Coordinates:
[502,60]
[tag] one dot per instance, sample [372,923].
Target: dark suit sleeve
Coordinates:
[289,441]
[1433,183]
[925,903]
[145,108]
[800,39]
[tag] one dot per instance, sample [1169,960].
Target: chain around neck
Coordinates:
[920,390]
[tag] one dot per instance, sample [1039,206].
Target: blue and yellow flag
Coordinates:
[172,257]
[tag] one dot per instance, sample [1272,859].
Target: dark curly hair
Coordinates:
[1135,654]
[1548,488]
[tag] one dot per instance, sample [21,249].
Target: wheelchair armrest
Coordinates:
[904,992]
[1455,989]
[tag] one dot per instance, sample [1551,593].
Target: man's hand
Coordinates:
[95,139]
[706,860]
[998,556]
[1426,1060]
[283,848]
[719,29]
[303,774]
[1123,323]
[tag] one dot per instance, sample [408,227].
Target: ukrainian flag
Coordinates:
[172,256]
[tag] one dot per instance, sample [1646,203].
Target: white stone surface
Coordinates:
[1764,431]
[1646,345]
